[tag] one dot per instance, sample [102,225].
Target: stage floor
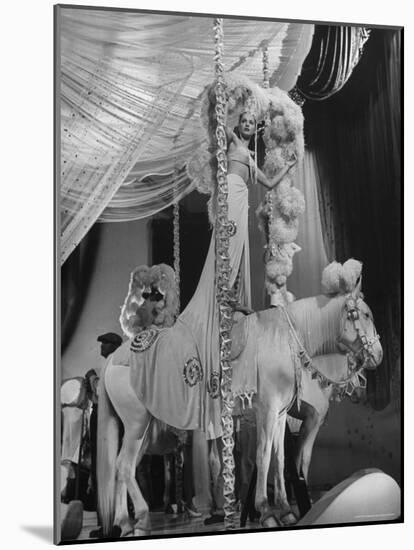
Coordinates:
[171,524]
[181,524]
[167,524]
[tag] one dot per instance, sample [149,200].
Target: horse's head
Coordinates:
[357,333]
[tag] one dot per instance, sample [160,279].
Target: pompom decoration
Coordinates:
[352,272]
[274,162]
[289,201]
[278,215]
[282,231]
[341,279]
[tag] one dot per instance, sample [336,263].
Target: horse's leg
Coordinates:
[131,453]
[307,445]
[313,430]
[283,508]
[122,524]
[266,426]
[134,448]
[311,421]
[137,422]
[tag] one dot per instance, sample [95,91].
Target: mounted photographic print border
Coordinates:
[144,101]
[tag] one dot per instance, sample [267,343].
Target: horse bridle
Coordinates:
[353,313]
[357,360]
[354,368]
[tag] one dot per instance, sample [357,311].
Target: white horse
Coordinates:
[316,397]
[305,329]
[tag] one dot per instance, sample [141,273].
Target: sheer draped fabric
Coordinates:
[130,86]
[312,258]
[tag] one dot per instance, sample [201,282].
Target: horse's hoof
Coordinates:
[143,523]
[138,532]
[289,519]
[269,520]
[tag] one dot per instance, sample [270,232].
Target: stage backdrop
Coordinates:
[122,247]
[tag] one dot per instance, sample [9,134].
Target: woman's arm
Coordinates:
[230,135]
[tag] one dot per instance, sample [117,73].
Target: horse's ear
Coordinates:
[357,290]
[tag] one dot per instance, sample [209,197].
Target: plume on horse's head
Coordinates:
[166,309]
[141,309]
[318,317]
[341,278]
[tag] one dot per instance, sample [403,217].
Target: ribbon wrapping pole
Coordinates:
[223,282]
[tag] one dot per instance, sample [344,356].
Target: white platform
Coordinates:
[368,495]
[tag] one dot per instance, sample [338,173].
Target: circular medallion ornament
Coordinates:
[231,228]
[213,386]
[192,372]
[144,340]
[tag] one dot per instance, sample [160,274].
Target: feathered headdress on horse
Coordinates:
[152,299]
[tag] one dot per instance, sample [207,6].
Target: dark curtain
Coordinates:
[76,275]
[356,137]
[195,236]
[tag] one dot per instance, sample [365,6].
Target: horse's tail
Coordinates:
[107,451]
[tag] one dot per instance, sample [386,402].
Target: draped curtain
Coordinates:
[76,275]
[314,256]
[356,140]
[130,91]
[336,51]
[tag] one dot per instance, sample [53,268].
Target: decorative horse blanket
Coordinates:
[166,375]
[169,379]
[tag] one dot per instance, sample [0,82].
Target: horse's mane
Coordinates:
[318,318]
[317,321]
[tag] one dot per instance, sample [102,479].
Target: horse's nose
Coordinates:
[376,357]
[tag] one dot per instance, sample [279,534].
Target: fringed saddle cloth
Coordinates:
[168,378]
[244,362]
[166,375]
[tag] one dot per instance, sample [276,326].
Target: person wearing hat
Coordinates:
[110,341]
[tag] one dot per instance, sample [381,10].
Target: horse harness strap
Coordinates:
[307,360]
[353,314]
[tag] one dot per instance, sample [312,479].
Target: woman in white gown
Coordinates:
[201,314]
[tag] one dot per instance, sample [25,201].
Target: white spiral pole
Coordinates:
[176,236]
[266,85]
[223,281]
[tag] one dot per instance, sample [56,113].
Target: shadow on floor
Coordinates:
[44,533]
